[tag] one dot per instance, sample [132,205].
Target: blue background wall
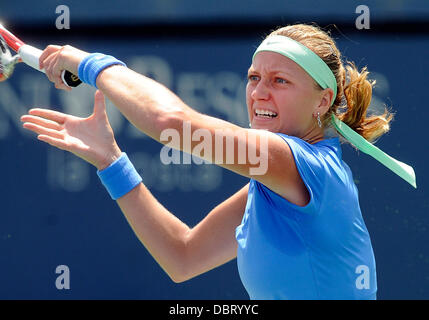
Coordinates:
[54,210]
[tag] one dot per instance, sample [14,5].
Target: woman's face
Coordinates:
[281,96]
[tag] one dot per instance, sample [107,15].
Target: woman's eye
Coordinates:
[253,77]
[280,80]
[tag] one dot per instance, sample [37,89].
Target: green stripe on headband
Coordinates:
[304,57]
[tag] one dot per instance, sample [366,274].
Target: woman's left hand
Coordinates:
[91,138]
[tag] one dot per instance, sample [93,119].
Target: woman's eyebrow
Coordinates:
[275,71]
[281,71]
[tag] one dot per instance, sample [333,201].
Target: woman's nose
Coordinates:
[260,91]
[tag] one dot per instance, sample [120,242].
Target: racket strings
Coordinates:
[7,61]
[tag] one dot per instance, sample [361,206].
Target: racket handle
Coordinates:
[30,56]
[70,79]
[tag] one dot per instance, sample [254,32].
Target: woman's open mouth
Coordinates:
[266,114]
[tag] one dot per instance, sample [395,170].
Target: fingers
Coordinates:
[50,62]
[59,84]
[51,72]
[59,143]
[49,50]
[52,115]
[42,122]
[45,122]
[99,104]
[41,130]
[54,71]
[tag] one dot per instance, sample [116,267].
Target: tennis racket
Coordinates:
[27,54]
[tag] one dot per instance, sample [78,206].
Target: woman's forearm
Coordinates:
[153,108]
[184,252]
[147,104]
[163,234]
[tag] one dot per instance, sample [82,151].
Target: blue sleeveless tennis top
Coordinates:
[318,251]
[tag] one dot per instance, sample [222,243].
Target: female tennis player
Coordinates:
[296,230]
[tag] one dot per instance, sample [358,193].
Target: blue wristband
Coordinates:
[93,64]
[120,177]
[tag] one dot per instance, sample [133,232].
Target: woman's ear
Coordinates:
[327,95]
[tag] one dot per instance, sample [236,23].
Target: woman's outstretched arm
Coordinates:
[156,110]
[183,252]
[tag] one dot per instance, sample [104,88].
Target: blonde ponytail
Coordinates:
[358,93]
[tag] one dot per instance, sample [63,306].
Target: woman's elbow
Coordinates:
[178,278]
[180,274]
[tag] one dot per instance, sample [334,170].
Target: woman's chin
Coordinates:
[268,125]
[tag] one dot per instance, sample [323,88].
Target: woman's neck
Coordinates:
[313,136]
